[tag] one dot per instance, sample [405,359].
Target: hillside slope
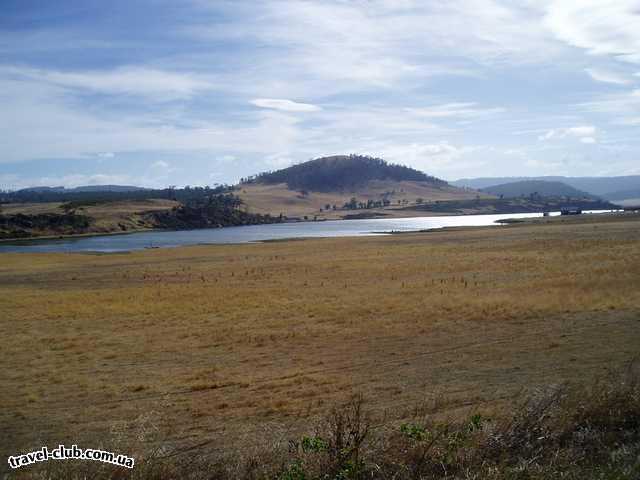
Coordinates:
[344,185]
[540,188]
[604,187]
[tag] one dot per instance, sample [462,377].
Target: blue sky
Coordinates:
[159,92]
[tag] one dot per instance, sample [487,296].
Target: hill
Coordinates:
[540,188]
[609,188]
[624,194]
[342,172]
[342,186]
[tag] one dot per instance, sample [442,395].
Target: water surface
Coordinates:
[254,233]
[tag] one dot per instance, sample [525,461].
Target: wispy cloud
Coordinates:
[584,133]
[606,76]
[135,81]
[284,105]
[460,110]
[608,27]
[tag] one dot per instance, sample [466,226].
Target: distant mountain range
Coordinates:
[540,188]
[86,188]
[610,188]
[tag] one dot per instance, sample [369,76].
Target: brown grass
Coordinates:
[107,217]
[225,341]
[277,199]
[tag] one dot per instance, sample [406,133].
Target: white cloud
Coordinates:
[618,104]
[160,165]
[133,80]
[226,158]
[339,46]
[363,61]
[442,159]
[74,180]
[583,132]
[630,121]
[284,105]
[461,110]
[602,27]
[607,76]
[40,122]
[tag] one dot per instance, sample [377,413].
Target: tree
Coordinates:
[351,204]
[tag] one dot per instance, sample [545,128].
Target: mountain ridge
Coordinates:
[83,188]
[605,187]
[540,188]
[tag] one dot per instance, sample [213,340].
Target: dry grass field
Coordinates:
[278,198]
[221,342]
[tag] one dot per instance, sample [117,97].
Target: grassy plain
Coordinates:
[225,342]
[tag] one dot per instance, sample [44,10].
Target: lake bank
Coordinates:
[56,220]
[251,233]
[255,233]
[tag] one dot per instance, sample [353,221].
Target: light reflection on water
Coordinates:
[254,233]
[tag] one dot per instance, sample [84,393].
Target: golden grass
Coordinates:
[224,339]
[277,199]
[116,216]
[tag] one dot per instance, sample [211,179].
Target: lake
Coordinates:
[254,233]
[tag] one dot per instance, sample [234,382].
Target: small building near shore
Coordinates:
[571,211]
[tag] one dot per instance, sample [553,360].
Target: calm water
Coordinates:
[254,233]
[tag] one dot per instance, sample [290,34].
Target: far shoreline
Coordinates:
[584,218]
[43,238]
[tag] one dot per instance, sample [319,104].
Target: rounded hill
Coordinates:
[340,173]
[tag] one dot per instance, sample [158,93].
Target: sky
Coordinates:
[200,92]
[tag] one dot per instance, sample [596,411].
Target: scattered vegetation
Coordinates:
[25,226]
[221,210]
[201,208]
[556,432]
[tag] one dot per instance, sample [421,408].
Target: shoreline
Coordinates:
[47,238]
[523,222]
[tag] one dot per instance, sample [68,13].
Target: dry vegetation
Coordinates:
[109,216]
[248,345]
[277,199]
